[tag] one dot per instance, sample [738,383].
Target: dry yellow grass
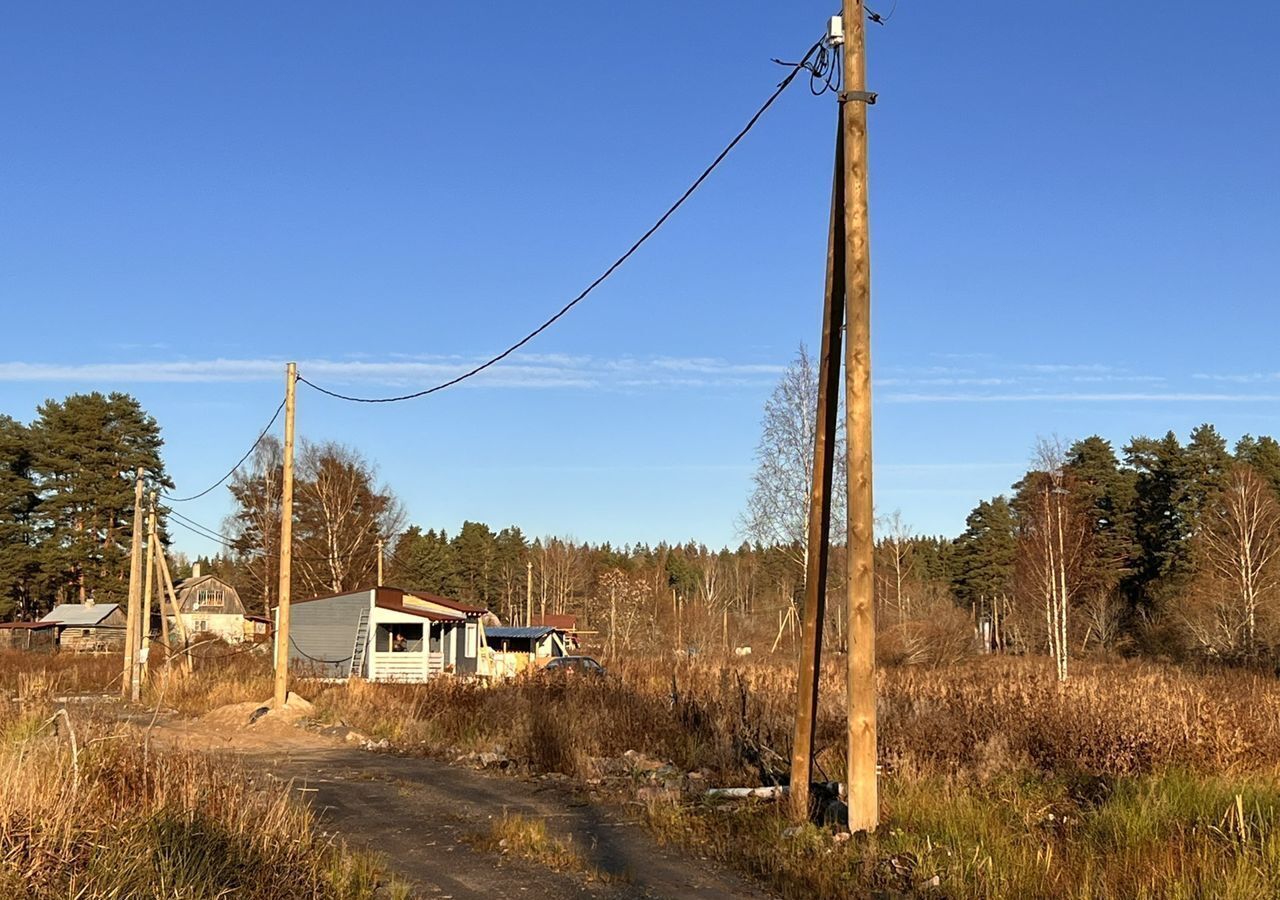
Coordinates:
[89,810]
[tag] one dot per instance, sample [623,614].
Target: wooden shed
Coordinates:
[386,634]
[88,627]
[520,649]
[38,636]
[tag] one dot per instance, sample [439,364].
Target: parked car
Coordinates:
[584,665]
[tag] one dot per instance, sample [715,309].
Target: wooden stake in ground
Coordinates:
[131,684]
[819,544]
[286,542]
[863,792]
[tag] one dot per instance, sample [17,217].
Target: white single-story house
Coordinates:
[386,634]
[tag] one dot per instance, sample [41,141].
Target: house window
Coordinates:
[211,597]
[200,625]
[472,635]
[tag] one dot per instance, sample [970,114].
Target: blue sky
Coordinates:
[1074,216]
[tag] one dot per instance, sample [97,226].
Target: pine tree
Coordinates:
[1263,453]
[20,567]
[86,450]
[985,555]
[475,554]
[1108,494]
[424,562]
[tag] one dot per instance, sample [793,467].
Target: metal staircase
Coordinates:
[360,645]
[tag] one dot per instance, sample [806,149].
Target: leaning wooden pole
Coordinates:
[167,578]
[286,543]
[819,544]
[863,792]
[131,684]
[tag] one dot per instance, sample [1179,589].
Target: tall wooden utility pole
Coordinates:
[145,653]
[131,682]
[819,544]
[286,543]
[528,592]
[863,792]
[379,562]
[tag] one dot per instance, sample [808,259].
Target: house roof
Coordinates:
[518,633]
[192,582]
[461,607]
[79,613]
[26,625]
[392,599]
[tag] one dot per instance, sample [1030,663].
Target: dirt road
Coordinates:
[419,813]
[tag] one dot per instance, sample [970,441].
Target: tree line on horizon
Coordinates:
[1164,547]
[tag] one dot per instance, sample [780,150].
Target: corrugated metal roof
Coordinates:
[13,625]
[521,632]
[79,613]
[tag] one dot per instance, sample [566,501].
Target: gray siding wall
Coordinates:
[324,630]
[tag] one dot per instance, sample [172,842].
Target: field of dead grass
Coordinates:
[1131,780]
[88,809]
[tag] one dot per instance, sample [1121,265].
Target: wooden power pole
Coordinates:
[145,653]
[819,525]
[862,789]
[286,543]
[528,592]
[131,683]
[379,562]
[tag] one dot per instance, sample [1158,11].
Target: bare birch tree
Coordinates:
[777,511]
[1238,548]
[342,514]
[1053,539]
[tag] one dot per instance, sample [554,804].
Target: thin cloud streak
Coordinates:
[526,371]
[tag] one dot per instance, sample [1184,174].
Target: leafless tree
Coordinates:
[341,515]
[778,508]
[255,525]
[560,573]
[1053,539]
[1238,548]
[894,566]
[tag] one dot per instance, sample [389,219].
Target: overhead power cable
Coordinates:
[240,463]
[802,65]
[227,541]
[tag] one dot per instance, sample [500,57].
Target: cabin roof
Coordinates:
[79,613]
[519,632]
[461,607]
[26,625]
[394,600]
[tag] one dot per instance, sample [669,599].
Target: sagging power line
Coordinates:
[223,480]
[796,68]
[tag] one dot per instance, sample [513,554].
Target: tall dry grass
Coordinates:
[89,810]
[1130,780]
